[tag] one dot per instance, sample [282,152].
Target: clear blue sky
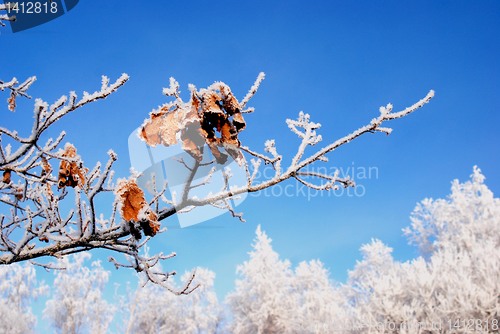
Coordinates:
[337,60]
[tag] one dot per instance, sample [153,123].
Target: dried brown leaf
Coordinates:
[192,111]
[229,134]
[230,103]
[212,116]
[230,142]
[46,167]
[235,153]
[220,157]
[239,122]
[18,192]
[192,139]
[12,101]
[211,103]
[132,200]
[161,128]
[150,226]
[135,208]
[169,128]
[6,176]
[71,173]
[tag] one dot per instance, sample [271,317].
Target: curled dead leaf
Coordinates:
[12,101]
[239,121]
[230,103]
[134,207]
[212,116]
[46,167]
[46,170]
[71,173]
[220,157]
[132,200]
[18,192]
[6,176]
[150,226]
[192,140]
[162,127]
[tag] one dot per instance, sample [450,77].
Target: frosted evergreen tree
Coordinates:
[454,285]
[321,304]
[263,294]
[272,298]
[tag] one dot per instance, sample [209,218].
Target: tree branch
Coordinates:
[33,224]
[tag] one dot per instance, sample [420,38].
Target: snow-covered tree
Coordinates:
[77,304]
[455,288]
[270,297]
[461,235]
[321,305]
[262,297]
[18,288]
[41,175]
[153,309]
[452,288]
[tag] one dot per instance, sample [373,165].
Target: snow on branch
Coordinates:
[16,89]
[253,90]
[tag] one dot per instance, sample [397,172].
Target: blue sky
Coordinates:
[336,60]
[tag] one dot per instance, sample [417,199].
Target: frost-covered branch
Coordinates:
[16,89]
[36,181]
[213,117]
[49,197]
[252,91]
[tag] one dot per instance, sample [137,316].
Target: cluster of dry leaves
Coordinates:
[212,116]
[134,208]
[72,173]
